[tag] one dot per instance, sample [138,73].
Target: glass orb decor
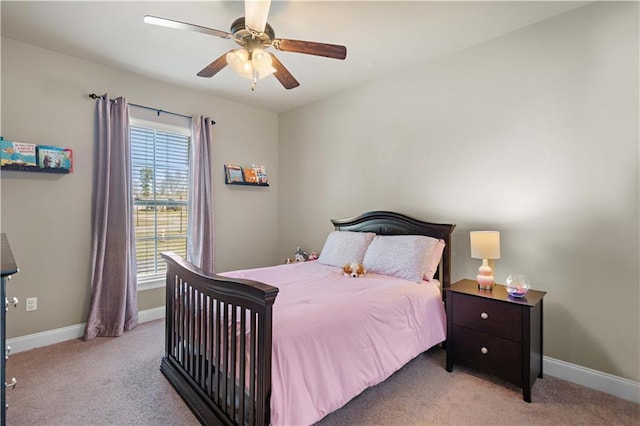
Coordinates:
[517,285]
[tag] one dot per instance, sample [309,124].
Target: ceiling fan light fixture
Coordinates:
[262,63]
[254,66]
[239,61]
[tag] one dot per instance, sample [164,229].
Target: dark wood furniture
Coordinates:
[9,268]
[202,354]
[490,331]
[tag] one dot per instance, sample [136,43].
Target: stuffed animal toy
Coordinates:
[354,270]
[300,256]
[313,256]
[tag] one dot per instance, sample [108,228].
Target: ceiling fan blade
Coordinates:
[154,20]
[255,14]
[311,48]
[214,67]
[283,75]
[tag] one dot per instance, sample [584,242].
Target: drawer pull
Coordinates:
[12,384]
[484,315]
[484,350]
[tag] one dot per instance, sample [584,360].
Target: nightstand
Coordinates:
[489,331]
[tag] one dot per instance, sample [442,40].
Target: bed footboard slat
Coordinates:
[218,344]
[224,362]
[234,356]
[243,363]
[252,369]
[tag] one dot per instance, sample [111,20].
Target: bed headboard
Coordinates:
[390,223]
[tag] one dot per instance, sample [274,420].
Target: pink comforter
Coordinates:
[335,336]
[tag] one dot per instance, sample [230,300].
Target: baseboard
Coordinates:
[593,379]
[151,314]
[45,338]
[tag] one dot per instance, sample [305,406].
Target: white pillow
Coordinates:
[433,260]
[342,247]
[400,256]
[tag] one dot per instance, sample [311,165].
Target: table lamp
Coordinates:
[485,245]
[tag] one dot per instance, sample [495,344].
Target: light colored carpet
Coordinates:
[117,381]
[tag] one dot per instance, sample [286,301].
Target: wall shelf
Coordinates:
[247,183]
[36,169]
[245,176]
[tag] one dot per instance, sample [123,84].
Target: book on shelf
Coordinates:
[261,173]
[17,153]
[233,173]
[250,175]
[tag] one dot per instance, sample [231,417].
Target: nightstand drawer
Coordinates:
[488,316]
[488,353]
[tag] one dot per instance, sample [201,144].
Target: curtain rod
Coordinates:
[158,111]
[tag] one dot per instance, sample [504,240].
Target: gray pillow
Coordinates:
[342,247]
[400,256]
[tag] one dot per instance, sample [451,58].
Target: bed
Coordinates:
[289,344]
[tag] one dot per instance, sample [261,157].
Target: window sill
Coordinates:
[151,282]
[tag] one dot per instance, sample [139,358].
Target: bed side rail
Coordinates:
[218,343]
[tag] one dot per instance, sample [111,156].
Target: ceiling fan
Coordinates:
[255,35]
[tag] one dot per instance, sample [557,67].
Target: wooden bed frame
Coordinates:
[201,354]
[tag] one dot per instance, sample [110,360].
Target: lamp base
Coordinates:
[485,286]
[485,276]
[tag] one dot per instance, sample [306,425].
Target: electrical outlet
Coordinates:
[32,303]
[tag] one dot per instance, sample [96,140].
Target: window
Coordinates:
[160,180]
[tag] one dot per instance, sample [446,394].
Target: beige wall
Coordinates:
[534,134]
[47,217]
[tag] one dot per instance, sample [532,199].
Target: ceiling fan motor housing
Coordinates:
[242,34]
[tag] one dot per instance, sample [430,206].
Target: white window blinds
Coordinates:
[160,180]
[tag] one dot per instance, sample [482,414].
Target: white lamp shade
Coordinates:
[485,244]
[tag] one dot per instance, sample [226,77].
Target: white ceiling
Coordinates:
[381,36]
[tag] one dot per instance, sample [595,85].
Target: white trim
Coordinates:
[50,337]
[151,282]
[45,338]
[593,379]
[151,314]
[183,128]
